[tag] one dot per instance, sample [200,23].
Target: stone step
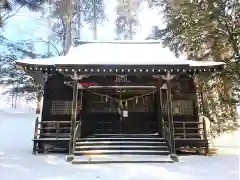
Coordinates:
[158,143]
[120,147]
[107,151]
[125,135]
[104,159]
[121,139]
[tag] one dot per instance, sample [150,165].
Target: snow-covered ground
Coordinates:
[17,161]
[9,104]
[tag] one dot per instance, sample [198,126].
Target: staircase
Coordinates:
[121,148]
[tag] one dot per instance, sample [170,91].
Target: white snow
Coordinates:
[15,104]
[204,63]
[44,61]
[118,54]
[121,54]
[132,158]
[17,161]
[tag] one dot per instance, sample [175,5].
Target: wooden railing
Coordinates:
[49,131]
[36,128]
[200,133]
[54,129]
[35,135]
[77,134]
[166,133]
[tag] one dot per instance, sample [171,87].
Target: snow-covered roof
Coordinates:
[204,63]
[80,42]
[122,54]
[141,53]
[44,61]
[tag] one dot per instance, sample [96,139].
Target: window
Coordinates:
[63,107]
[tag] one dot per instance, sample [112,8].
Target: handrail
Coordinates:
[203,133]
[35,135]
[167,134]
[186,122]
[36,128]
[163,129]
[57,129]
[46,122]
[77,133]
[204,130]
[55,126]
[184,131]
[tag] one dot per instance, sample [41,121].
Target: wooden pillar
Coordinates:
[170,117]
[39,103]
[40,94]
[197,103]
[161,112]
[73,120]
[168,79]
[80,115]
[158,112]
[158,105]
[199,96]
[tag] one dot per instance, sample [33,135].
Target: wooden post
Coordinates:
[170,117]
[158,108]
[168,79]
[35,136]
[39,102]
[196,100]
[57,128]
[162,118]
[73,120]
[205,136]
[80,116]
[184,130]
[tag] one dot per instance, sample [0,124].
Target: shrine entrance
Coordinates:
[114,112]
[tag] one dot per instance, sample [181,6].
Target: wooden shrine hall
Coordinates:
[119,97]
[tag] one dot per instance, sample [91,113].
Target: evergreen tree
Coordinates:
[6,6]
[65,15]
[21,82]
[207,30]
[127,20]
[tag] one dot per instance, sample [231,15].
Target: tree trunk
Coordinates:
[94,20]
[13,94]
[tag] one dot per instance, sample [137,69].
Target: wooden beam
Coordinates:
[73,120]
[168,79]
[121,87]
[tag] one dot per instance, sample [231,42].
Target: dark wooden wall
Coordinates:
[57,99]
[183,103]
[101,114]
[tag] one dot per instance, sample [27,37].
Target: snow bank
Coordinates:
[228,143]
[17,161]
[21,105]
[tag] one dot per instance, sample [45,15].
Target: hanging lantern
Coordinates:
[106,99]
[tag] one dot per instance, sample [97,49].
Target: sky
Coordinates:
[26,25]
